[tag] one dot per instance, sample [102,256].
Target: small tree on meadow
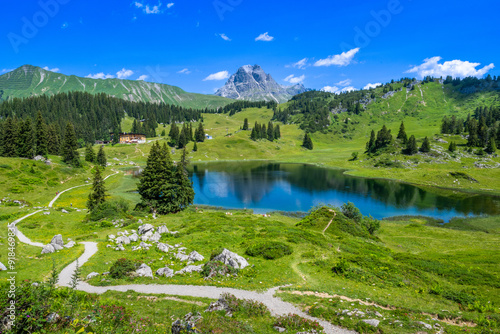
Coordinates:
[89,153]
[426,146]
[307,142]
[491,147]
[101,157]
[411,146]
[70,146]
[98,193]
[402,133]
[245,124]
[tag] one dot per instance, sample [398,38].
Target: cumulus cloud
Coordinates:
[65,25]
[142,77]
[124,73]
[344,83]
[46,68]
[337,90]
[184,71]
[294,80]
[100,76]
[152,9]
[224,37]
[372,85]
[455,68]
[301,64]
[343,59]
[217,76]
[264,37]
[5,70]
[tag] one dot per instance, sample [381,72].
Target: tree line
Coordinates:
[259,131]
[384,140]
[238,106]
[180,138]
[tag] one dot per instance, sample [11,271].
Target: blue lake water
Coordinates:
[265,187]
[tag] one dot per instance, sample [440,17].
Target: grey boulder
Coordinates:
[167,272]
[145,228]
[371,322]
[232,259]
[190,269]
[195,256]
[2,266]
[47,249]
[57,240]
[144,271]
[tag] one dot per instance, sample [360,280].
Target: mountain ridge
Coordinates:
[29,80]
[253,84]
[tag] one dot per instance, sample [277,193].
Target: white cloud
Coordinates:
[51,69]
[265,37]
[100,76]
[142,77]
[455,68]
[184,71]
[224,37]
[343,59]
[154,9]
[5,70]
[336,90]
[301,64]
[344,83]
[217,76]
[295,80]
[65,25]
[170,5]
[124,73]
[370,85]
[138,4]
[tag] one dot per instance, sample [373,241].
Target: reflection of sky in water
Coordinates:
[288,187]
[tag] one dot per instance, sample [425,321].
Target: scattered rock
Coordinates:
[111,237]
[57,240]
[164,247]
[145,228]
[64,211]
[134,237]
[47,249]
[188,325]
[2,266]
[145,245]
[162,229]
[167,272]
[279,329]
[57,247]
[181,256]
[195,256]
[231,259]
[46,213]
[39,158]
[123,240]
[70,244]
[427,326]
[155,237]
[379,315]
[120,248]
[371,322]
[91,275]
[144,271]
[190,269]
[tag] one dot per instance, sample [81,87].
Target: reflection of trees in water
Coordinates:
[251,182]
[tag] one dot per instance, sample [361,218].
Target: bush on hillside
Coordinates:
[269,250]
[109,210]
[351,211]
[122,268]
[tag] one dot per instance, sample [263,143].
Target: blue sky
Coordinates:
[324,44]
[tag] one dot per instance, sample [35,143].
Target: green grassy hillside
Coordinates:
[33,81]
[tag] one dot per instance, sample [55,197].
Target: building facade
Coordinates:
[132,138]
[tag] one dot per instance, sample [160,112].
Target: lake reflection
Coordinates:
[266,187]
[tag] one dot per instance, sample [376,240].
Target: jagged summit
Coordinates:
[253,84]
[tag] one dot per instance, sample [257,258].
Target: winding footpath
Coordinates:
[276,306]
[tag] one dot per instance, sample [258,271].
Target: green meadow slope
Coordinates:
[30,80]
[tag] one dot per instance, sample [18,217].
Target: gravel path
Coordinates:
[275,305]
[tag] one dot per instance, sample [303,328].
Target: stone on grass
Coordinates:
[189,269]
[53,317]
[279,329]
[144,245]
[91,275]
[46,213]
[231,259]
[70,244]
[162,229]
[134,237]
[144,271]
[2,266]
[57,240]
[163,247]
[111,236]
[371,322]
[145,228]
[64,211]
[120,248]
[57,247]
[427,326]
[181,256]
[167,272]
[155,237]
[195,256]
[47,249]
[123,240]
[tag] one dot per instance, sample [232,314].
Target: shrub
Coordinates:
[247,307]
[371,225]
[105,224]
[341,266]
[109,209]
[269,250]
[217,268]
[293,322]
[121,268]
[351,211]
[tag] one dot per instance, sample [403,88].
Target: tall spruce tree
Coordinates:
[370,145]
[182,139]
[245,124]
[101,157]
[53,140]
[98,193]
[41,136]
[402,133]
[277,132]
[26,141]
[452,147]
[263,131]
[270,131]
[491,147]
[307,142]
[411,146]
[195,147]
[185,192]
[70,146]
[174,135]
[426,146]
[200,133]
[89,153]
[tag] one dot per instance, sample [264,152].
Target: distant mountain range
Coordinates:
[253,84]
[31,80]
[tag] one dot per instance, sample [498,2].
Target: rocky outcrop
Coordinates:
[251,83]
[167,272]
[144,271]
[231,259]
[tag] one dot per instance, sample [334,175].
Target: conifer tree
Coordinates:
[263,132]
[370,146]
[41,136]
[195,147]
[411,146]
[53,140]
[98,193]
[384,138]
[270,132]
[452,147]
[89,153]
[185,192]
[26,139]
[277,131]
[307,143]
[245,124]
[200,133]
[116,136]
[402,133]
[174,135]
[253,135]
[426,146]
[101,157]
[473,139]
[135,128]
[69,148]
[163,133]
[190,132]
[182,139]
[491,147]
